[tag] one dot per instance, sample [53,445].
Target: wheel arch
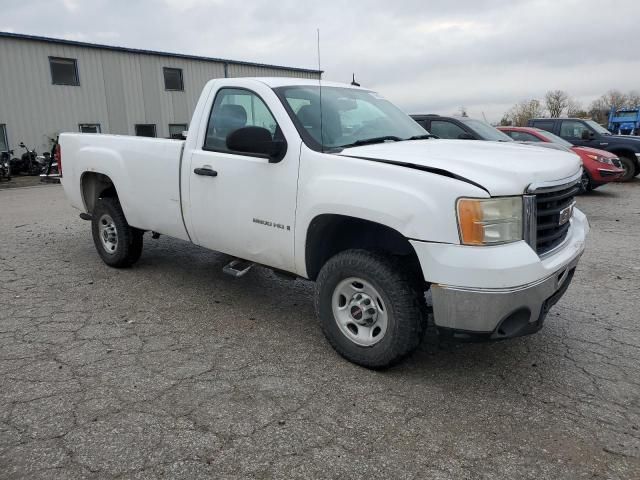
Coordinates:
[329,234]
[94,185]
[625,152]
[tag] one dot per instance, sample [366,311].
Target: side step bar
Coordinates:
[238,267]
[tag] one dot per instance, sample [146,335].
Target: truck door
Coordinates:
[577,133]
[243,204]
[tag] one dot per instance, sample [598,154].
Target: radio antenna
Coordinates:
[320,88]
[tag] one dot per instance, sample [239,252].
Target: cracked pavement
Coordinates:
[172,369]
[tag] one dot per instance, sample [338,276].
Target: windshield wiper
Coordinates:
[423,136]
[369,141]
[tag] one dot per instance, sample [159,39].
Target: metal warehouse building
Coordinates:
[48,86]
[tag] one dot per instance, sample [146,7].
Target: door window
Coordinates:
[573,129]
[232,109]
[444,129]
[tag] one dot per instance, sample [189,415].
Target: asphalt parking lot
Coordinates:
[172,369]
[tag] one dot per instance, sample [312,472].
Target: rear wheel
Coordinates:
[370,310]
[118,244]
[629,167]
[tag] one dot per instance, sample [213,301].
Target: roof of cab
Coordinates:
[275,82]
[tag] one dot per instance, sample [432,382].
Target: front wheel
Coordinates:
[585,183]
[118,244]
[629,167]
[370,310]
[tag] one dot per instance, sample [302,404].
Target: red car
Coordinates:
[600,167]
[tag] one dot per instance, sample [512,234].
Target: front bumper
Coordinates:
[605,175]
[502,291]
[500,313]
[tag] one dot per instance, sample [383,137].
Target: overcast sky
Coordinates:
[424,55]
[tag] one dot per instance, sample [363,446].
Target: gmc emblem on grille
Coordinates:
[565,215]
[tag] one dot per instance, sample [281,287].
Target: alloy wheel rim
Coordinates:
[359,311]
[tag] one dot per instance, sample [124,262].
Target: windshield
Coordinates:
[486,131]
[597,127]
[554,138]
[349,117]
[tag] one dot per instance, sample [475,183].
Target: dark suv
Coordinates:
[587,133]
[460,128]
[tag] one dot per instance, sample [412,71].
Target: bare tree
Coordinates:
[524,111]
[556,101]
[599,109]
[615,99]
[505,121]
[574,109]
[633,99]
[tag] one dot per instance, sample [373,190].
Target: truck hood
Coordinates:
[500,168]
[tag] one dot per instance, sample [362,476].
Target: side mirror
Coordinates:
[587,135]
[466,136]
[257,140]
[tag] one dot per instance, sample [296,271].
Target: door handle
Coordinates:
[206,172]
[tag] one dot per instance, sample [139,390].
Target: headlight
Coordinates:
[489,221]
[600,158]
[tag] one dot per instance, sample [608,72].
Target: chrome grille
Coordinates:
[549,203]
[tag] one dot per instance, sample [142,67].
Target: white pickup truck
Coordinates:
[337,185]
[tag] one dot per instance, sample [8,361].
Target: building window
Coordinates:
[64,71]
[173,79]
[146,130]
[176,129]
[4,144]
[89,128]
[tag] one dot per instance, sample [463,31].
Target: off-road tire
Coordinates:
[629,165]
[401,294]
[129,239]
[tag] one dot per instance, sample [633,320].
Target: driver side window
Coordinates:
[573,129]
[232,109]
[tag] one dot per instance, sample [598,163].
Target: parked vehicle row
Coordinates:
[600,166]
[587,133]
[29,163]
[334,184]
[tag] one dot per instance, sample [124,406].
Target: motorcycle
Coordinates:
[5,165]
[28,163]
[51,173]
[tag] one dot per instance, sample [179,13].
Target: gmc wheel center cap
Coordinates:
[362,309]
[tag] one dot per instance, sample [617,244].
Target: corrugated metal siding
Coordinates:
[117,90]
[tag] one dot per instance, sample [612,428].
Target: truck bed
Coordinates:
[146,171]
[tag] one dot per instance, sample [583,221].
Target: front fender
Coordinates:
[419,205]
